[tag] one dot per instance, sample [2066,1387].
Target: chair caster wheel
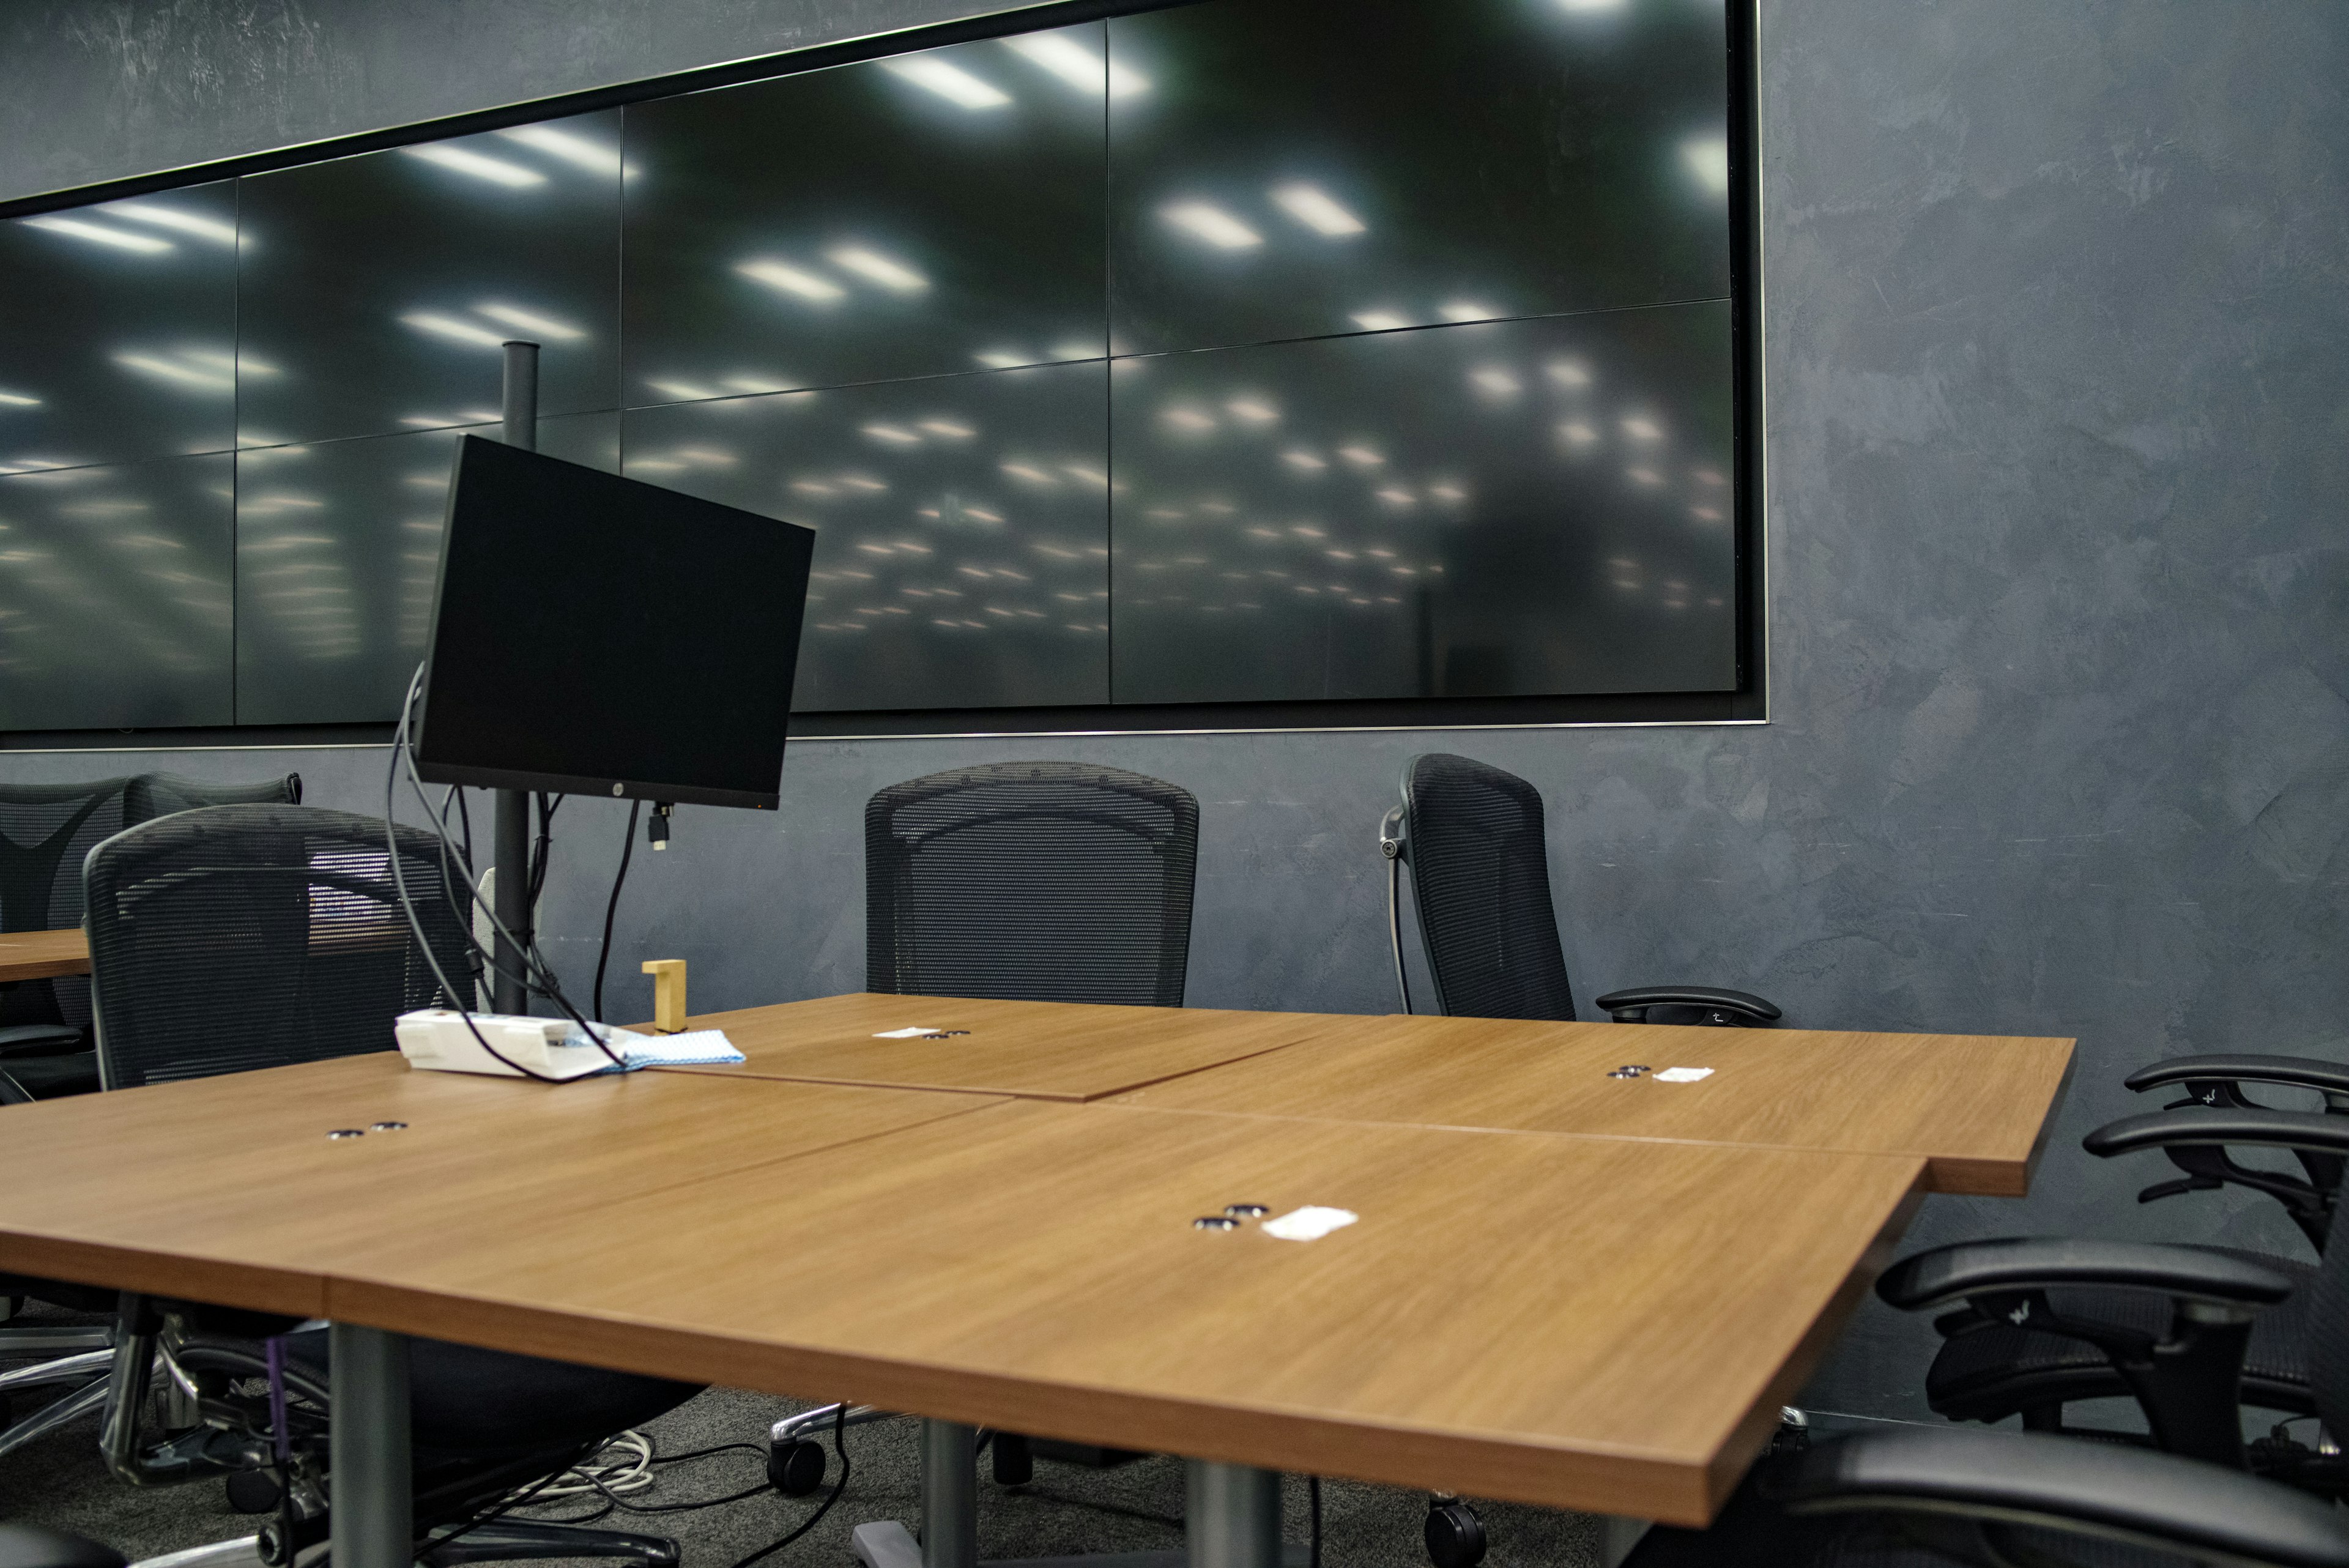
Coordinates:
[1455,1535]
[1793,1433]
[796,1468]
[1014,1465]
[252,1491]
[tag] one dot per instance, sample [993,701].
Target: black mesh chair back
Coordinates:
[234,937]
[1480,872]
[150,795]
[1037,881]
[46,830]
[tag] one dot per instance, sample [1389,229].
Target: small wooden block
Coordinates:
[668,995]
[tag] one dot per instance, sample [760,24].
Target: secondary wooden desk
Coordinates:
[1037,1049]
[43,955]
[1611,1325]
[1975,1107]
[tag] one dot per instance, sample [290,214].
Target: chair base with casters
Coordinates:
[76,1358]
[486,1425]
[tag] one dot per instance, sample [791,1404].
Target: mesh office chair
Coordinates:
[45,832]
[150,795]
[1928,1498]
[1471,835]
[1041,881]
[236,937]
[1034,882]
[45,1052]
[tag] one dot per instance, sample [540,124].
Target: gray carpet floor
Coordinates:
[61,1481]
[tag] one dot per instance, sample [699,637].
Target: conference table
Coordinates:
[43,955]
[982,1229]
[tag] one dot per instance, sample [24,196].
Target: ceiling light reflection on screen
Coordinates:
[886,271]
[1078,66]
[1590,8]
[569,146]
[1000,359]
[18,401]
[895,435]
[1567,373]
[756,384]
[1213,225]
[684,392]
[1317,210]
[950,82]
[1379,321]
[209,380]
[1494,381]
[1642,430]
[1466,310]
[164,217]
[791,280]
[1707,157]
[98,233]
[529,321]
[451,327]
[480,166]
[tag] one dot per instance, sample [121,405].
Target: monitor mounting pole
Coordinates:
[512,855]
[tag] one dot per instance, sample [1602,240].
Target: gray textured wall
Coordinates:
[2059,404]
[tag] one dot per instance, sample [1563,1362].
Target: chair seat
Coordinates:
[1752,1532]
[1991,1372]
[56,1292]
[466,1400]
[54,1077]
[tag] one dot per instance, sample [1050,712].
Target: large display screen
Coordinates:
[1233,364]
[593,634]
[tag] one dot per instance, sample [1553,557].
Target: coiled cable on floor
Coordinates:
[621,1466]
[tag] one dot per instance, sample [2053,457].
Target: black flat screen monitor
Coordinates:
[592,635]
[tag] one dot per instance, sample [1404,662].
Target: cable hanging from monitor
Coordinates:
[538,976]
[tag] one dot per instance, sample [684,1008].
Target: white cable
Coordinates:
[623,1465]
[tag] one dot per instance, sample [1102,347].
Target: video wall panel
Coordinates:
[115,595]
[919,215]
[962,527]
[118,336]
[1505,509]
[337,545]
[377,290]
[1293,170]
[1245,351]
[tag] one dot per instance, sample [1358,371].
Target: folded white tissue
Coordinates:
[441,1040]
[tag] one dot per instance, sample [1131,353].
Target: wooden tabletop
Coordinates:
[229,1189]
[1036,1050]
[43,955]
[1583,1322]
[1976,1107]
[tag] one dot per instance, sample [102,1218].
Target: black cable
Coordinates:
[1313,1492]
[401,749]
[704,1453]
[496,1509]
[623,1505]
[838,1425]
[611,906]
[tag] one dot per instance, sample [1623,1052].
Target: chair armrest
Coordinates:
[2298,1072]
[41,1039]
[1970,1269]
[2106,1489]
[1709,1004]
[2217,1128]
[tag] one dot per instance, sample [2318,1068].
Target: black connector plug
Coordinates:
[657,826]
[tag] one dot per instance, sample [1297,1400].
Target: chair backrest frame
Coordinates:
[1479,865]
[233,936]
[1041,882]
